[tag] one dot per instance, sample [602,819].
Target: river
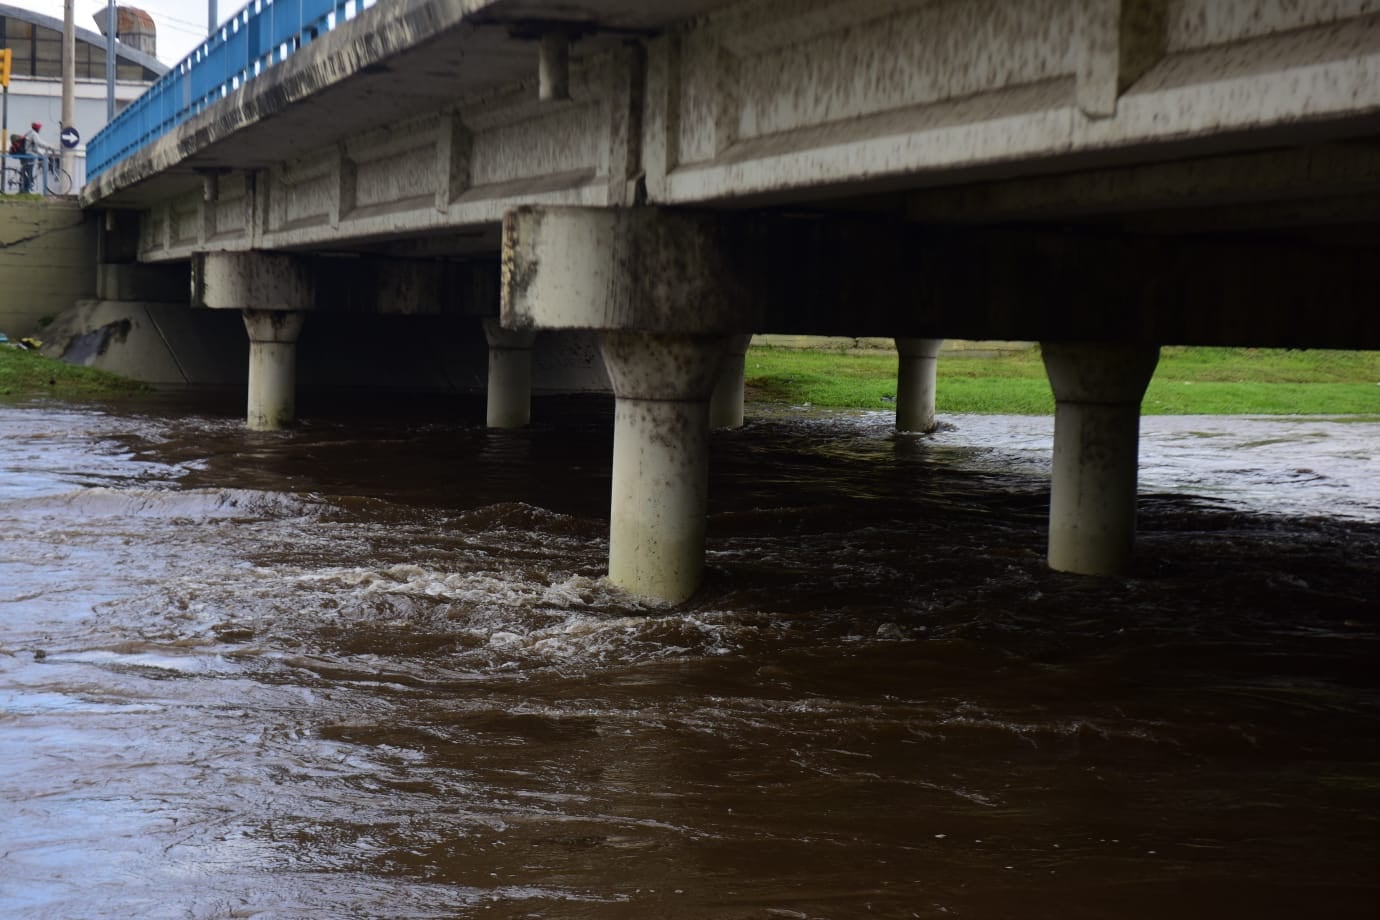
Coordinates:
[369,668]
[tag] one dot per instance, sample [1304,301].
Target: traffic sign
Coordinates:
[70,137]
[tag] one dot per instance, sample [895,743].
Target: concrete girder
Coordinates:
[1315,173]
[456,168]
[940,94]
[781,100]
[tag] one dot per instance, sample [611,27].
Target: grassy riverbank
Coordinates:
[25,374]
[1188,381]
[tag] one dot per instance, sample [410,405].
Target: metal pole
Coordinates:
[5,129]
[212,20]
[69,79]
[110,26]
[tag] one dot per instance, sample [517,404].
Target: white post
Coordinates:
[1092,503]
[111,24]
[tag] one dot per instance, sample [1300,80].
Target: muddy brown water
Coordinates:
[368,668]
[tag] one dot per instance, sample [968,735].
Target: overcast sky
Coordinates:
[180,24]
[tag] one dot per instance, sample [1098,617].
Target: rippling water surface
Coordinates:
[371,669]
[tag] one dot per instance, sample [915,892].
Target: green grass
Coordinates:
[25,374]
[1188,381]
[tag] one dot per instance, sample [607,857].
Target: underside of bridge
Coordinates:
[1103,176]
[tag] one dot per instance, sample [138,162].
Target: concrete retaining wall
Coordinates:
[174,345]
[47,261]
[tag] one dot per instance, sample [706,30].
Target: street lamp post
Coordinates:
[69,80]
[110,26]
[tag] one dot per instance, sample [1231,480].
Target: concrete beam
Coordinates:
[1322,171]
[1122,40]
[830,275]
[839,276]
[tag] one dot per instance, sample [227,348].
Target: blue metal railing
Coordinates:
[264,33]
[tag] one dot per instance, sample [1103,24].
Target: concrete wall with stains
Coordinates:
[171,345]
[47,261]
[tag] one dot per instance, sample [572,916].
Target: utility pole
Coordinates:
[110,26]
[212,20]
[69,80]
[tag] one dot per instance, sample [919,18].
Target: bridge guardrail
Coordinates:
[262,34]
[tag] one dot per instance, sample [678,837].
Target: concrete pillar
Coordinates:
[271,290]
[915,376]
[726,402]
[510,375]
[272,367]
[1092,509]
[662,384]
[664,289]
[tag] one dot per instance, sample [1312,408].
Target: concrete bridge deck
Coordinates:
[1104,175]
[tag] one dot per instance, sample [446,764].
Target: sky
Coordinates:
[181,24]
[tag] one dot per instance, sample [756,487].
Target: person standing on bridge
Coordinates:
[34,147]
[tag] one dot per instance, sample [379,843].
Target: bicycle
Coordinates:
[12,182]
[35,175]
[56,180]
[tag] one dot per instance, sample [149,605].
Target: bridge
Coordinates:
[1104,176]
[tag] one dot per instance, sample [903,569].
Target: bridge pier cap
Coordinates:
[252,281]
[655,270]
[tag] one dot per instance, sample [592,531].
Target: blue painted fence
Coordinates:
[264,33]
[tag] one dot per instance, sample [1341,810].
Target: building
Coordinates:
[35,94]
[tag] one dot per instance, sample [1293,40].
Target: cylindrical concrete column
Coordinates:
[510,375]
[660,459]
[1092,503]
[915,383]
[272,367]
[726,402]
